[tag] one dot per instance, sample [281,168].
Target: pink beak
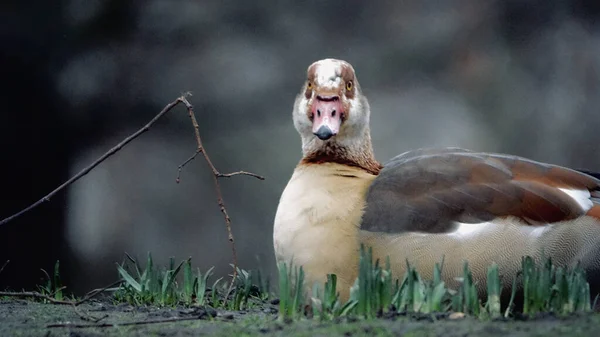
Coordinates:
[327,112]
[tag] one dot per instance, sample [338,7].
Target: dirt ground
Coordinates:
[26,318]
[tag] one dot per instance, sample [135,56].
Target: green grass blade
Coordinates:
[284,291]
[347,308]
[57,285]
[513,293]
[493,289]
[129,280]
[437,297]
[299,291]
[202,285]
[168,286]
[188,281]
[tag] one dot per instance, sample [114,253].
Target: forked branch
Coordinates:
[199,150]
[216,176]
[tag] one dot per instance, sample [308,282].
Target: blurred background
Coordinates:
[518,77]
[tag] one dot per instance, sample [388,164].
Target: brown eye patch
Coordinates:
[310,81]
[308,92]
[348,77]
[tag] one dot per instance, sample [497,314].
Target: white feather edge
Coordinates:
[469,230]
[582,197]
[472,230]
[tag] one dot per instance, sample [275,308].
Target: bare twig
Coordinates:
[200,149]
[228,175]
[50,299]
[216,176]
[4,265]
[192,157]
[87,317]
[86,170]
[98,291]
[37,295]
[110,325]
[219,174]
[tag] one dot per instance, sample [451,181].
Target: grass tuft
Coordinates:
[291,296]
[180,284]
[554,289]
[53,286]
[545,288]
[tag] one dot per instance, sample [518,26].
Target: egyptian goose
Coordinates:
[421,205]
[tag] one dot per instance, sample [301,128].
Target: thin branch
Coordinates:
[86,170]
[35,294]
[216,176]
[4,265]
[110,325]
[98,291]
[192,157]
[87,317]
[200,149]
[228,175]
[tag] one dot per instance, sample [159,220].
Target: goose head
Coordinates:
[331,111]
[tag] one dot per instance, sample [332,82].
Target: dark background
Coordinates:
[78,76]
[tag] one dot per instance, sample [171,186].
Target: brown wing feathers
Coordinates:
[427,189]
[524,169]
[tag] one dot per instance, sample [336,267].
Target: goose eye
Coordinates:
[349,85]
